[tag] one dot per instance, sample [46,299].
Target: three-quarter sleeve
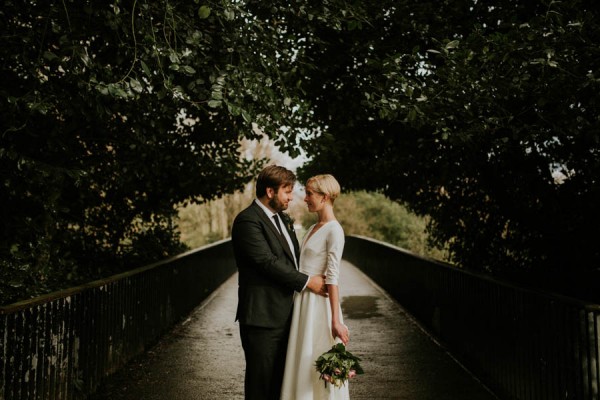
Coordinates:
[334,247]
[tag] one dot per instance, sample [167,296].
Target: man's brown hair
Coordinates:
[273,177]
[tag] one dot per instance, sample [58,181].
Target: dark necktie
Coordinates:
[276,218]
[287,244]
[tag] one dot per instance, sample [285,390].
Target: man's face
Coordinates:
[280,199]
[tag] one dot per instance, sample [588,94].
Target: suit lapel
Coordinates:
[282,241]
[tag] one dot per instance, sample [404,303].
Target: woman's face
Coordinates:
[314,200]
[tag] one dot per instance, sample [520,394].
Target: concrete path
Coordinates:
[202,357]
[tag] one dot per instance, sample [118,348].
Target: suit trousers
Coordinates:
[265,350]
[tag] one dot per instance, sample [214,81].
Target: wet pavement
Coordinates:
[202,357]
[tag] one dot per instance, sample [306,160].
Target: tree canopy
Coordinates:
[466,111]
[113,113]
[482,115]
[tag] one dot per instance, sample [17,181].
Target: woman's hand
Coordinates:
[341,331]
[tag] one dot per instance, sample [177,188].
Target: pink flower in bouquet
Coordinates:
[337,365]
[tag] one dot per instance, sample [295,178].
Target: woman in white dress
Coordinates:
[317,322]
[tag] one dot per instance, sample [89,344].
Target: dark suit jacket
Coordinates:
[267,274]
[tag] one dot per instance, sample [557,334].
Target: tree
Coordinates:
[468,114]
[112,113]
[93,110]
[375,216]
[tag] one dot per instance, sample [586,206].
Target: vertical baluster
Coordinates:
[103,332]
[70,345]
[85,341]
[37,352]
[552,352]
[115,321]
[573,359]
[10,351]
[596,353]
[3,353]
[62,348]
[25,360]
[581,355]
[589,363]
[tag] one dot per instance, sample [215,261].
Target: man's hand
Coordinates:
[316,284]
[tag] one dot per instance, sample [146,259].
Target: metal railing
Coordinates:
[61,346]
[521,343]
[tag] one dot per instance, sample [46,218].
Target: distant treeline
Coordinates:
[360,213]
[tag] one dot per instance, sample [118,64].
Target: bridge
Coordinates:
[424,330]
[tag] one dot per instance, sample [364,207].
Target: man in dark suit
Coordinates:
[266,252]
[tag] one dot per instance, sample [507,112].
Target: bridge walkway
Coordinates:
[202,358]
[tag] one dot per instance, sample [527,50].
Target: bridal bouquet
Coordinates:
[338,365]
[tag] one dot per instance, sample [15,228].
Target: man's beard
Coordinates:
[276,205]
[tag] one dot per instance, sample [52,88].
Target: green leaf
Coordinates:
[229,15]
[214,103]
[233,109]
[452,45]
[50,56]
[204,12]
[102,89]
[14,249]
[136,85]
[246,116]
[146,69]
[116,91]
[189,70]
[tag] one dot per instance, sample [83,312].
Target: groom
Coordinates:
[266,252]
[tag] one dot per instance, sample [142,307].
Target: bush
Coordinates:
[375,216]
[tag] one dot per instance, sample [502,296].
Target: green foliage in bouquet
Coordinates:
[338,365]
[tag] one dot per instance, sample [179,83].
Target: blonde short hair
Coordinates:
[324,184]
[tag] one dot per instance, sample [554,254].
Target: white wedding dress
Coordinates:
[310,334]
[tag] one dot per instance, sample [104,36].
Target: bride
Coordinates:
[317,322]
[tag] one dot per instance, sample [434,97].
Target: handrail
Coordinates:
[5,309]
[587,305]
[62,345]
[522,343]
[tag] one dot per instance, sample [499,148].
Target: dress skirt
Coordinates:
[310,336]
